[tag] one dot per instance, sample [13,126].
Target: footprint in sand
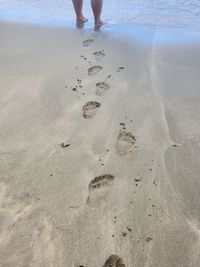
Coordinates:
[88,42]
[99,188]
[120,69]
[90,109]
[94,70]
[114,261]
[99,55]
[101,88]
[101,181]
[125,142]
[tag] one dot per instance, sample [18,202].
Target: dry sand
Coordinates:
[99,148]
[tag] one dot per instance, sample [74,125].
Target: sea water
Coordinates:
[175,13]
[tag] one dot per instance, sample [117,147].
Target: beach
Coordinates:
[99,146]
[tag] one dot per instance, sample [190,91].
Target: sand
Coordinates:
[99,147]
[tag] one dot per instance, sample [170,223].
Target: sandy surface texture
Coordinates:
[99,148]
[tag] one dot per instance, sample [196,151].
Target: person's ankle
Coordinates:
[97,21]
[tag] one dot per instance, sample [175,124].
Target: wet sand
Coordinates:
[99,147]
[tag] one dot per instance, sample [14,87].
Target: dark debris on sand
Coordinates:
[63,145]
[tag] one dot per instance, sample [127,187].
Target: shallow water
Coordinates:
[178,13]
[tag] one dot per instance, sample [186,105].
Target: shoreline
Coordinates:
[174,33]
[99,147]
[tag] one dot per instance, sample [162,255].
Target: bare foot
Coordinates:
[81,19]
[99,24]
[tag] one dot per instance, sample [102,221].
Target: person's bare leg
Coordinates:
[78,6]
[97,8]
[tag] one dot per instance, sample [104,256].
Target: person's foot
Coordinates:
[99,24]
[81,19]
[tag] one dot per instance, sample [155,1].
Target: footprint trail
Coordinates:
[94,70]
[125,142]
[102,88]
[88,42]
[99,188]
[114,261]
[90,109]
